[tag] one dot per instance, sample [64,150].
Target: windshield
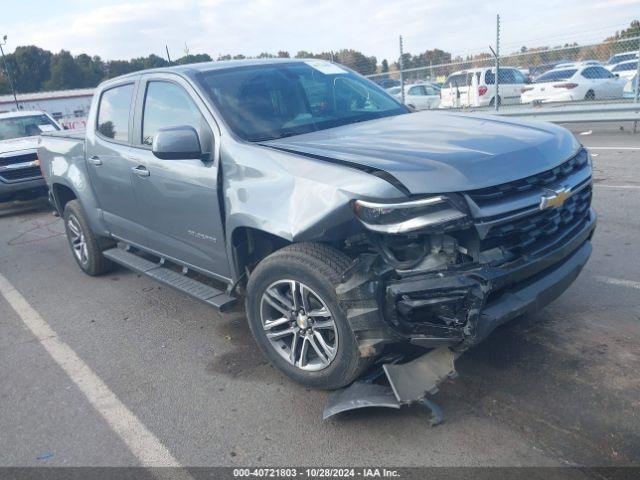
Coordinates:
[555,75]
[264,102]
[621,58]
[624,67]
[30,126]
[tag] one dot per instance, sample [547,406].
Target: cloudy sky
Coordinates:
[125,29]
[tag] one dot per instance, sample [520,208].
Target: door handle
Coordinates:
[94,160]
[141,171]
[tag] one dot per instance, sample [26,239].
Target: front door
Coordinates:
[178,204]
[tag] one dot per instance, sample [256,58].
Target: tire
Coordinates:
[590,95]
[492,103]
[83,242]
[317,269]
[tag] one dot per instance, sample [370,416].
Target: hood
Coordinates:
[17,144]
[438,152]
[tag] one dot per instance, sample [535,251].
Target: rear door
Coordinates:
[107,157]
[179,211]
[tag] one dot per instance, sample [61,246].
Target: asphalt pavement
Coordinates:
[560,387]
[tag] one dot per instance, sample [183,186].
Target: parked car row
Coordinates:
[565,83]
[553,82]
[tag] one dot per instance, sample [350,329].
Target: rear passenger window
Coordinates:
[113,113]
[168,105]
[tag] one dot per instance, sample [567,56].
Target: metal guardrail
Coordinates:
[626,112]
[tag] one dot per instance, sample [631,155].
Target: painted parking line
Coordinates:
[140,441]
[612,148]
[619,282]
[631,187]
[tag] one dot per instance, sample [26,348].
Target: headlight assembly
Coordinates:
[437,213]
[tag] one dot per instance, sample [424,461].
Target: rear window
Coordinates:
[457,80]
[113,112]
[556,75]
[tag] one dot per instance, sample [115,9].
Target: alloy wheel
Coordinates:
[299,325]
[77,240]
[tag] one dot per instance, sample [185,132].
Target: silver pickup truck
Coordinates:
[350,225]
[20,175]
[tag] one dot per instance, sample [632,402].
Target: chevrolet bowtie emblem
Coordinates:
[554,198]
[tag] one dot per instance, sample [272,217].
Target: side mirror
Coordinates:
[177,143]
[617,75]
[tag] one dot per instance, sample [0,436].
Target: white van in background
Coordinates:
[475,87]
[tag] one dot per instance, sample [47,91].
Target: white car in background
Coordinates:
[581,82]
[629,71]
[421,96]
[476,87]
[394,92]
[621,57]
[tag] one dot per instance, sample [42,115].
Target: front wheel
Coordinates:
[296,319]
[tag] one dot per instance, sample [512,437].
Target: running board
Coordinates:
[198,290]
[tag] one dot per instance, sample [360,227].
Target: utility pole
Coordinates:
[496,101]
[6,69]
[401,71]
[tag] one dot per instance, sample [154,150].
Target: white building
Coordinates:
[69,107]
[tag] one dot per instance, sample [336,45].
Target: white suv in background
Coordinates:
[476,87]
[581,82]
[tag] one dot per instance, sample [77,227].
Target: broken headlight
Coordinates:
[439,213]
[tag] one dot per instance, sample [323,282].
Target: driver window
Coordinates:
[169,105]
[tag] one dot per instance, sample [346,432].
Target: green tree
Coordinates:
[92,70]
[191,58]
[65,72]
[30,67]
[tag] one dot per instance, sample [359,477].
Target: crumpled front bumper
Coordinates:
[463,307]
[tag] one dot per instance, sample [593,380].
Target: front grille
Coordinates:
[535,231]
[20,174]
[544,179]
[25,157]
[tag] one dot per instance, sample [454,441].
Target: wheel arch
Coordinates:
[62,194]
[249,245]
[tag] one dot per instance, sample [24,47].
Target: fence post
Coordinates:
[637,95]
[401,71]
[496,102]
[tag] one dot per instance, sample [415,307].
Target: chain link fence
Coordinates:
[571,74]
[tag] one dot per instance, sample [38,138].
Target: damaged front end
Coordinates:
[445,275]
[447,270]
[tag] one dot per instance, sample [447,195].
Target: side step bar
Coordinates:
[201,291]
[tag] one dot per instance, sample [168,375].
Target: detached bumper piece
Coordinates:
[406,384]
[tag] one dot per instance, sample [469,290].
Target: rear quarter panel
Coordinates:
[62,157]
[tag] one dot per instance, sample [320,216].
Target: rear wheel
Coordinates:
[83,242]
[296,319]
[493,101]
[590,95]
